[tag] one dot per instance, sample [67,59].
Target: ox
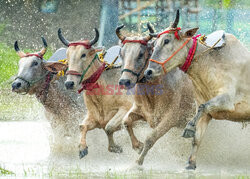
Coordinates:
[163,103]
[220,78]
[62,108]
[104,110]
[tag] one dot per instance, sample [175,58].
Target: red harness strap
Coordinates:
[33,54]
[90,83]
[191,53]
[169,58]
[86,45]
[171,30]
[143,42]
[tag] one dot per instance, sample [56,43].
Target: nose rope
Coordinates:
[191,52]
[163,63]
[32,82]
[72,72]
[143,42]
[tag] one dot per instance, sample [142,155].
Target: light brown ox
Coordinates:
[104,111]
[164,103]
[63,108]
[220,77]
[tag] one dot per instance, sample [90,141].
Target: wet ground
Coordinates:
[25,150]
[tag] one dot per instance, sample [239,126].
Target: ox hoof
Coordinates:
[83,153]
[189,130]
[139,148]
[115,149]
[191,166]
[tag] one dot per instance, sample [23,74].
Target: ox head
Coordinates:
[79,55]
[165,46]
[134,53]
[32,70]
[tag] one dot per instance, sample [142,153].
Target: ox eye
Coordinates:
[166,41]
[140,55]
[34,63]
[83,55]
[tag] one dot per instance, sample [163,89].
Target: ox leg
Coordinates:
[128,121]
[163,127]
[86,126]
[219,103]
[201,128]
[114,125]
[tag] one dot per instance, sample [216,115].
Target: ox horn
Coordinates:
[20,53]
[63,40]
[176,21]
[118,32]
[44,49]
[95,39]
[151,30]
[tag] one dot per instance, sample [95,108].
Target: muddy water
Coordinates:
[24,148]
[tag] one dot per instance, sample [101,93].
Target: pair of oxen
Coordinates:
[163,95]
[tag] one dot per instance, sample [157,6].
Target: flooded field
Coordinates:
[25,150]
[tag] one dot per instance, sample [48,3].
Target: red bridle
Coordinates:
[163,63]
[191,52]
[171,30]
[87,46]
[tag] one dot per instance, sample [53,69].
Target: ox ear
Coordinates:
[187,33]
[55,66]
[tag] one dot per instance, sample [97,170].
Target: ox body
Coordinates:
[104,111]
[220,78]
[62,108]
[163,103]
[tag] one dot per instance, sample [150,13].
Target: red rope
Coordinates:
[191,53]
[33,54]
[171,30]
[86,45]
[90,83]
[143,42]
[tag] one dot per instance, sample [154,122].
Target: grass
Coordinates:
[5,172]
[77,172]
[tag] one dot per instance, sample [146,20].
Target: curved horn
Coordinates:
[94,40]
[153,34]
[176,21]
[118,33]
[63,40]
[20,53]
[151,30]
[44,49]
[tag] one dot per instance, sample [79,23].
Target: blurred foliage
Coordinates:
[9,61]
[2,27]
[226,3]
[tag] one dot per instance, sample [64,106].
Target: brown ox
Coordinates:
[220,78]
[164,103]
[36,76]
[105,111]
